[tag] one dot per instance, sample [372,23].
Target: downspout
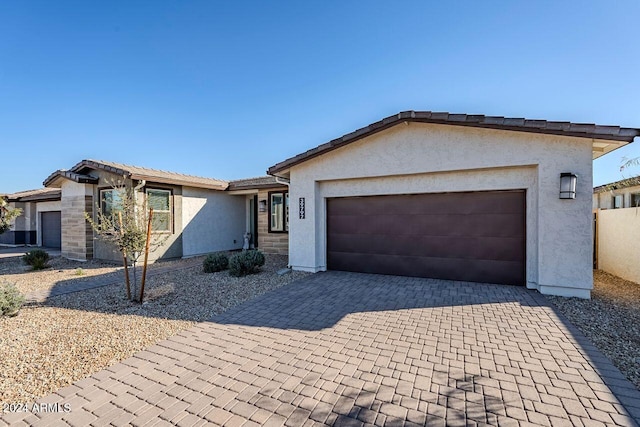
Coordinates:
[141,184]
[283,181]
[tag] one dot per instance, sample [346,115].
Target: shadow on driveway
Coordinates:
[338,347]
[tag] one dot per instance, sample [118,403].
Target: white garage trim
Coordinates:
[477,180]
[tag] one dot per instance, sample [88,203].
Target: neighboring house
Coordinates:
[267,202]
[451,196]
[39,223]
[199,214]
[616,195]
[617,228]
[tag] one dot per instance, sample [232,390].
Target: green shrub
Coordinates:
[215,262]
[247,262]
[37,259]
[10,300]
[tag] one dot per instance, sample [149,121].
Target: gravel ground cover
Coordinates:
[611,320]
[53,344]
[62,271]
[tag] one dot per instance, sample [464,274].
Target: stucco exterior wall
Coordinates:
[424,158]
[211,221]
[25,230]
[17,228]
[618,236]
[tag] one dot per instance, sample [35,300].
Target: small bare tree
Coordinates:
[7,214]
[125,223]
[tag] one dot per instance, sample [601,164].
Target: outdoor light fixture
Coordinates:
[262,206]
[568,185]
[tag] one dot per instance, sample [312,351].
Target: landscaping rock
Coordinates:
[53,344]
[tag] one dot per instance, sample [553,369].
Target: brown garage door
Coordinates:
[477,237]
[51,229]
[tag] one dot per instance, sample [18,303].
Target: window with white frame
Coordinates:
[160,202]
[279,212]
[635,200]
[618,201]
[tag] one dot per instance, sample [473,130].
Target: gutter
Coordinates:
[283,181]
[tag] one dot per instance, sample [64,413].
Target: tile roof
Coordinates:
[617,185]
[137,172]
[251,183]
[583,130]
[39,194]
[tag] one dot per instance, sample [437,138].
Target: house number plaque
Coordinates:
[301,207]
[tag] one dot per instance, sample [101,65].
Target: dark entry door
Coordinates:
[51,229]
[470,236]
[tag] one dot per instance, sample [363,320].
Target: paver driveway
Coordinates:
[351,349]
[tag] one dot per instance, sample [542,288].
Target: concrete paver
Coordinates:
[355,349]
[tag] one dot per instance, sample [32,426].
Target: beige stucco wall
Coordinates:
[211,221]
[424,158]
[618,236]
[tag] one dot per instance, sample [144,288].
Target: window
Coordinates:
[635,200]
[110,202]
[279,212]
[160,202]
[618,201]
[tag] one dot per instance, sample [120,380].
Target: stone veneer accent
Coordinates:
[77,235]
[270,243]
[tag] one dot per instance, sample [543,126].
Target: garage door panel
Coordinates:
[499,272]
[478,203]
[461,236]
[463,247]
[477,225]
[51,229]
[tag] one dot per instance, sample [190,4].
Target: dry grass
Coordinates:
[611,320]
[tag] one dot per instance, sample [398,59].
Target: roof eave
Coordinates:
[185,183]
[55,178]
[609,133]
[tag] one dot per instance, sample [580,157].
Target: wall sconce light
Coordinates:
[568,185]
[262,206]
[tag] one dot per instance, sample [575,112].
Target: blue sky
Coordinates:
[227,89]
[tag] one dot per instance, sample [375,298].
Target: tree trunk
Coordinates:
[126,263]
[146,255]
